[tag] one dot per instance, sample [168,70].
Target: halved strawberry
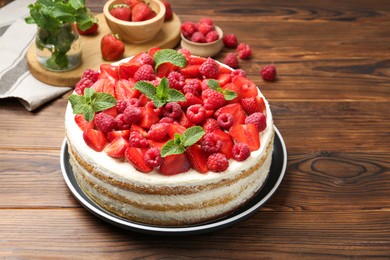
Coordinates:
[153,51]
[195,60]
[156,144]
[184,121]
[127,70]
[227,141]
[224,79]
[234,88]
[108,70]
[175,164]
[175,128]
[95,139]
[83,123]
[197,157]
[247,134]
[164,69]
[117,147]
[191,71]
[111,111]
[149,117]
[246,87]
[105,85]
[235,110]
[114,134]
[136,157]
[139,129]
[223,69]
[124,89]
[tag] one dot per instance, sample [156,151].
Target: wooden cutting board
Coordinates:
[168,37]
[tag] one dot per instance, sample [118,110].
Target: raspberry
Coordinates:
[212,99]
[120,122]
[196,113]
[212,36]
[198,37]
[244,51]
[137,140]
[209,69]
[153,158]
[106,123]
[241,152]
[205,28]
[172,110]
[210,125]
[192,86]
[230,41]
[207,20]
[217,162]
[238,72]
[91,74]
[145,72]
[231,60]
[176,80]
[82,84]
[168,120]
[211,143]
[225,121]
[188,28]
[146,59]
[158,131]
[249,105]
[258,119]
[191,99]
[268,73]
[121,105]
[132,115]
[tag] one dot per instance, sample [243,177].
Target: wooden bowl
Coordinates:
[136,32]
[209,49]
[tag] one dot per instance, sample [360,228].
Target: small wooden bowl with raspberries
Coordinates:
[140,30]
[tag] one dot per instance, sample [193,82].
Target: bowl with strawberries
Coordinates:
[135,21]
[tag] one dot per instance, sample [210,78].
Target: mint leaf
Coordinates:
[103,101]
[192,135]
[171,56]
[146,88]
[181,141]
[171,148]
[227,94]
[175,96]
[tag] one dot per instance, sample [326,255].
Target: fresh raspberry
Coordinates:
[209,69]
[168,120]
[120,122]
[121,105]
[82,84]
[225,121]
[249,105]
[172,110]
[132,115]
[104,122]
[210,125]
[231,60]
[207,20]
[212,36]
[158,131]
[241,151]
[230,40]
[211,143]
[196,113]
[137,140]
[268,73]
[205,28]
[186,53]
[212,99]
[188,28]
[91,74]
[258,119]
[244,51]
[198,37]
[238,72]
[176,80]
[153,158]
[217,162]
[192,86]
[145,72]
[191,99]
[146,59]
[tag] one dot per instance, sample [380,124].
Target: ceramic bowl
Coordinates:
[203,49]
[136,32]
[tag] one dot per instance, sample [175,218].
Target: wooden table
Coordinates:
[331,103]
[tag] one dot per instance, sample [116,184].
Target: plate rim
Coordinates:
[145,228]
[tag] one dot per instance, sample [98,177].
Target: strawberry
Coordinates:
[124,89]
[121,12]
[132,3]
[175,128]
[114,134]
[195,60]
[83,123]
[91,30]
[168,10]
[112,48]
[139,129]
[140,12]
[117,147]
[127,70]
[246,87]
[148,117]
[136,157]
[191,71]
[108,71]
[197,158]
[175,164]
[164,69]
[227,143]
[246,134]
[224,79]
[153,51]
[235,110]
[95,139]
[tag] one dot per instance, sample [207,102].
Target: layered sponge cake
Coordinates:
[169,139]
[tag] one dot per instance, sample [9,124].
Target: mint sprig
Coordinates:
[227,94]
[91,102]
[162,94]
[171,56]
[180,142]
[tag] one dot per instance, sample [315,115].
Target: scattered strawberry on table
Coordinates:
[112,48]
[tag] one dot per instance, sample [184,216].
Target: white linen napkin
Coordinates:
[15,79]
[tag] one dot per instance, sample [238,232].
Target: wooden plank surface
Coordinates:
[331,103]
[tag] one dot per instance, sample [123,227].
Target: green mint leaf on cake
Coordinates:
[91,102]
[162,94]
[171,56]
[181,141]
[228,94]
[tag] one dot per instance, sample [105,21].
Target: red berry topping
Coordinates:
[91,74]
[192,86]
[120,122]
[168,120]
[136,157]
[244,51]
[212,99]
[105,122]
[241,152]
[197,157]
[117,147]
[210,125]
[137,140]
[172,110]
[158,131]
[176,80]
[231,60]
[83,84]
[191,99]
[212,36]
[198,37]
[145,72]
[145,58]
[132,115]
[95,139]
[196,113]
[258,119]
[225,121]
[209,69]
[253,104]
[153,158]
[230,40]
[238,72]
[217,162]
[188,28]
[211,143]
[268,73]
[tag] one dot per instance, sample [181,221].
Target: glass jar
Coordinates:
[58,49]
